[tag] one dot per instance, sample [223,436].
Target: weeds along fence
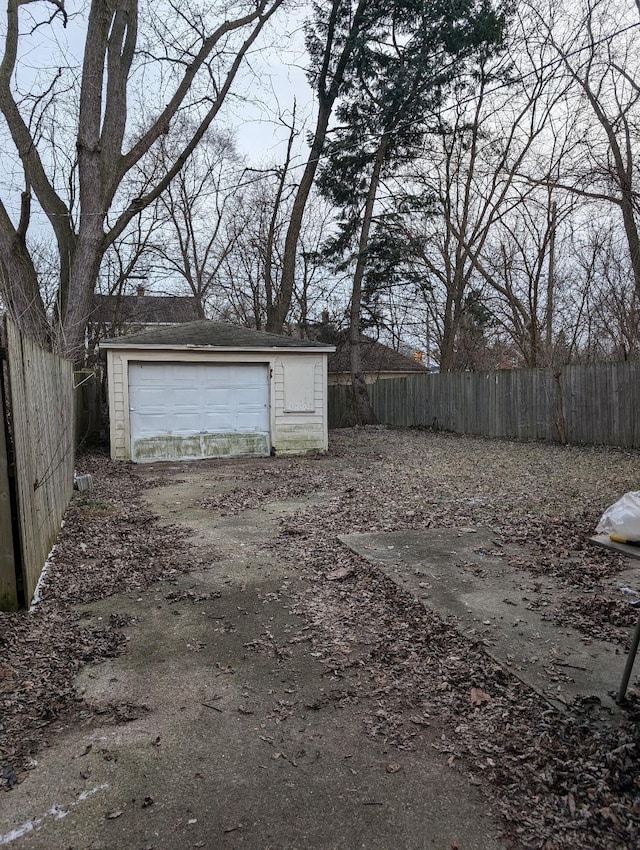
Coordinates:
[595,404]
[36,461]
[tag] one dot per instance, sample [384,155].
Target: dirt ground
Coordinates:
[209,665]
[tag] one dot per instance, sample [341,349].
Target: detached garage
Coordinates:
[206,389]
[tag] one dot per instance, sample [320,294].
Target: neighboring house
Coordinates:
[378,361]
[208,389]
[115,315]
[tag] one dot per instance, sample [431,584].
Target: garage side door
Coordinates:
[184,411]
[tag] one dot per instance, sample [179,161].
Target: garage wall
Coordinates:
[298,402]
[118,405]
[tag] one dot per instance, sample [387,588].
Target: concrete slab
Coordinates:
[236,740]
[464,573]
[631,550]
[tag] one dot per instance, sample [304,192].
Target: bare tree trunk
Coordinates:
[364,411]
[18,278]
[327,94]
[451,322]
[551,282]
[270,290]
[278,310]
[84,273]
[110,49]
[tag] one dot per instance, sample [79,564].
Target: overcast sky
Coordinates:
[272,78]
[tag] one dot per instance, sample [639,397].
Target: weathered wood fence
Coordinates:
[593,404]
[37,425]
[88,389]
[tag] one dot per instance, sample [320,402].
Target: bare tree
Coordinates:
[198,211]
[332,38]
[251,278]
[195,67]
[607,325]
[595,41]
[522,275]
[488,134]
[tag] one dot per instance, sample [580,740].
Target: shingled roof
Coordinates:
[376,358]
[207,334]
[144,309]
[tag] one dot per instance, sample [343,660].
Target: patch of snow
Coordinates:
[43,575]
[55,811]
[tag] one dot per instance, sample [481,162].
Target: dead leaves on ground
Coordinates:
[560,780]
[108,544]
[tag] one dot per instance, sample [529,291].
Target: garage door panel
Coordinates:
[249,397]
[188,421]
[249,421]
[182,373]
[192,410]
[186,397]
[150,423]
[150,373]
[218,397]
[149,396]
[224,422]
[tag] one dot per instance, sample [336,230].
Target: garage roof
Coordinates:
[206,334]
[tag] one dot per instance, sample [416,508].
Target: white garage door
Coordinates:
[184,411]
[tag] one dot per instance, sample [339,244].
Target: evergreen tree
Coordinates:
[412,51]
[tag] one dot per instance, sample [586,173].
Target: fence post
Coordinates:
[8,587]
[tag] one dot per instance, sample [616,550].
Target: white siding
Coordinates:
[299,430]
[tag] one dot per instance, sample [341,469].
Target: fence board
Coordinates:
[8,587]
[592,404]
[42,408]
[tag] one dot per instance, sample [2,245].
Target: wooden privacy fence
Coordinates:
[88,399]
[38,421]
[592,404]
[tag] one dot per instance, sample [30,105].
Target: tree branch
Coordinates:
[143,201]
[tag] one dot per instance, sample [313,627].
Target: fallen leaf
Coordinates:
[9,776]
[337,575]
[478,697]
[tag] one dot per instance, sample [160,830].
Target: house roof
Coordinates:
[376,358]
[207,334]
[144,309]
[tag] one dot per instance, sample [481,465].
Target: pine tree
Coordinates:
[410,52]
